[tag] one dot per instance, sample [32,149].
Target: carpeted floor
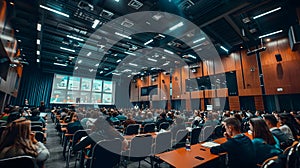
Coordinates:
[56,159]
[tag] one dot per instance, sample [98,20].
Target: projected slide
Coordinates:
[60,82]
[97,85]
[71,90]
[107,86]
[74,83]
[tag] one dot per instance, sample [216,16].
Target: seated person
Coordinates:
[239,147]
[288,125]
[129,120]
[162,118]
[149,118]
[265,144]
[271,122]
[102,130]
[74,124]
[178,125]
[17,139]
[35,116]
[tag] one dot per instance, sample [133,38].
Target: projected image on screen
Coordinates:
[72,96]
[60,82]
[58,96]
[107,86]
[71,90]
[86,84]
[97,85]
[107,98]
[74,83]
[85,97]
[96,98]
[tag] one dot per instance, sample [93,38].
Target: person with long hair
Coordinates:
[288,125]
[265,144]
[17,139]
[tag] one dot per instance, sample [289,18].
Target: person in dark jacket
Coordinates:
[238,146]
[271,122]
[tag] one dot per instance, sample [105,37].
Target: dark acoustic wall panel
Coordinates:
[232,83]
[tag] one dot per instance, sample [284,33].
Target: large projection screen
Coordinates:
[80,90]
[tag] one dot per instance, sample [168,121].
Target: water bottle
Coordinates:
[187,145]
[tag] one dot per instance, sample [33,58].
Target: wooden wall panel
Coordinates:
[284,74]
[234,103]
[176,83]
[134,92]
[247,75]
[259,103]
[185,75]
[228,63]
[165,86]
[222,92]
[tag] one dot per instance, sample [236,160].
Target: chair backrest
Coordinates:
[18,161]
[106,153]
[132,129]
[271,163]
[36,128]
[78,135]
[39,136]
[207,133]
[195,135]
[164,125]
[163,142]
[292,160]
[180,138]
[218,132]
[37,123]
[149,127]
[140,146]
[2,128]
[2,122]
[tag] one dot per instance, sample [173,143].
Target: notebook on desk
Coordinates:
[209,144]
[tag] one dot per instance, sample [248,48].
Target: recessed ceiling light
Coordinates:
[39,27]
[122,35]
[223,48]
[269,34]
[132,64]
[148,42]
[38,41]
[96,22]
[59,64]
[89,54]
[180,24]
[54,11]
[67,49]
[266,13]
[75,38]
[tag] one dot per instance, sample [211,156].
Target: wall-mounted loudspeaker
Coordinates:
[294,37]
[278,57]
[163,81]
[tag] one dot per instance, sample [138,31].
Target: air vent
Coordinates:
[135,4]
[85,5]
[157,16]
[106,14]
[127,23]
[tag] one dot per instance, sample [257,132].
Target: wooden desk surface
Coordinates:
[180,158]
